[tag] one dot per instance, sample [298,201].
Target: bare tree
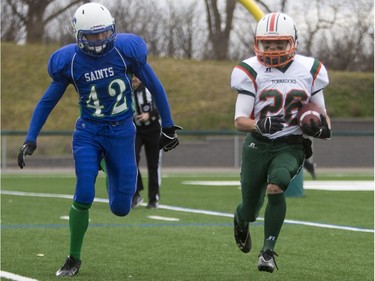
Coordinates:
[341,34]
[180,28]
[141,17]
[219,27]
[352,47]
[168,30]
[320,18]
[34,16]
[12,29]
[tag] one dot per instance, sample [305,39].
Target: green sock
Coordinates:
[104,168]
[102,165]
[241,223]
[273,219]
[78,222]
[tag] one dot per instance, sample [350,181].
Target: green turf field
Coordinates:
[188,244]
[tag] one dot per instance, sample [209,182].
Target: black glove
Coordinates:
[27,148]
[269,125]
[169,138]
[322,132]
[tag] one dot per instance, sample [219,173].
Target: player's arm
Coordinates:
[318,99]
[44,107]
[41,112]
[243,80]
[243,110]
[137,49]
[320,81]
[244,123]
[147,75]
[244,83]
[324,131]
[169,137]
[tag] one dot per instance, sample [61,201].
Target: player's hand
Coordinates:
[27,148]
[169,138]
[269,125]
[322,132]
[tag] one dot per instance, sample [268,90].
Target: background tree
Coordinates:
[316,22]
[34,15]
[141,17]
[349,45]
[181,28]
[12,28]
[340,33]
[219,27]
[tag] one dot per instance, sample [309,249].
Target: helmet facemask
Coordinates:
[96,47]
[278,56]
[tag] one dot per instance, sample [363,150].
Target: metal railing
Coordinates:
[234,145]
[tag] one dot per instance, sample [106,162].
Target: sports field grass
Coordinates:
[188,244]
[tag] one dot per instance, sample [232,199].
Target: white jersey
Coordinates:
[280,93]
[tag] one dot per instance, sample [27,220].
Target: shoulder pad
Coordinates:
[132,46]
[60,60]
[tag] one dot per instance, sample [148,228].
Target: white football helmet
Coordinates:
[94,18]
[279,28]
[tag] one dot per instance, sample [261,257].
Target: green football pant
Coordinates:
[265,163]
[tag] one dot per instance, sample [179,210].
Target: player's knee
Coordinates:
[119,208]
[85,189]
[273,189]
[250,217]
[81,206]
[279,180]
[120,212]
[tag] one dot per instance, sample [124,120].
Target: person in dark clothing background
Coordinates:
[309,165]
[147,120]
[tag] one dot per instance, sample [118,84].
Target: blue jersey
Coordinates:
[103,83]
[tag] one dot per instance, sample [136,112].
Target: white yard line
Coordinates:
[163,218]
[312,185]
[15,277]
[189,210]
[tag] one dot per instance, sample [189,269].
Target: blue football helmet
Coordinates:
[91,19]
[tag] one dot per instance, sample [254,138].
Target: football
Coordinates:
[307,112]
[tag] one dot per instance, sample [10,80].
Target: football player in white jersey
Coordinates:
[271,87]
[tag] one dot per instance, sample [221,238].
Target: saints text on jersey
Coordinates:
[99,74]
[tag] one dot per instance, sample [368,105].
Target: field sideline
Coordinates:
[195,222]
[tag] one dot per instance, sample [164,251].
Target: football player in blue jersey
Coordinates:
[100,67]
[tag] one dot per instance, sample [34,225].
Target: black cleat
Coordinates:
[242,236]
[137,200]
[153,204]
[267,261]
[70,268]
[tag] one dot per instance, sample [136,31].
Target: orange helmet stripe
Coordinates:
[272,22]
